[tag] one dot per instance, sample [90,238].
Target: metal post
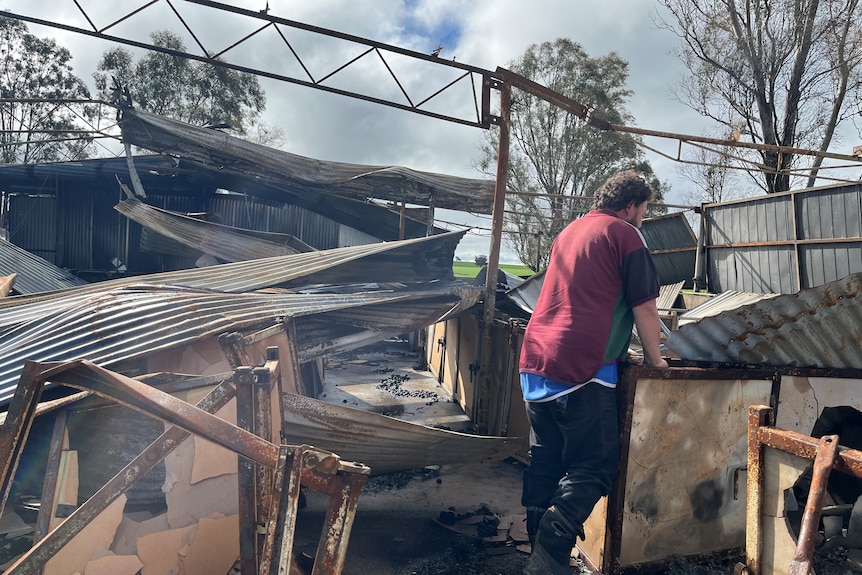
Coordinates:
[808,532]
[758,415]
[246,474]
[15,429]
[481,416]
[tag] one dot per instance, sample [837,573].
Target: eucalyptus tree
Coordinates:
[788,71]
[194,92]
[556,161]
[36,82]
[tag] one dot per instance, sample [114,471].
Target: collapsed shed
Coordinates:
[186,330]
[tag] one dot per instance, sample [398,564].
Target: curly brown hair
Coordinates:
[622,189]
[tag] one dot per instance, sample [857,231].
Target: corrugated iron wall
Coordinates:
[673,246]
[784,242]
[33,224]
[267,216]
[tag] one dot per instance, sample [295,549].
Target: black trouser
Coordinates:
[574,452]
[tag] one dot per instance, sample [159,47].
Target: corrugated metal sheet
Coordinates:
[33,224]
[788,232]
[234,155]
[224,242]
[667,295]
[34,275]
[673,246]
[717,304]
[116,325]
[817,327]
[384,443]
[411,261]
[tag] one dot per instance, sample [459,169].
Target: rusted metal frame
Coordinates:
[52,474]
[323,472]
[721,371]
[761,434]
[490,298]
[758,417]
[615,515]
[339,522]
[312,84]
[152,455]
[254,388]
[19,418]
[233,346]
[167,382]
[827,449]
[278,544]
[697,369]
[847,461]
[246,475]
[84,374]
[265,379]
[342,482]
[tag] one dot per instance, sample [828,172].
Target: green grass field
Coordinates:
[470,269]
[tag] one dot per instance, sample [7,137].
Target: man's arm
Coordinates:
[647,322]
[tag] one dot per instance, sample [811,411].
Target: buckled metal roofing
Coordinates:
[224,242]
[359,182]
[410,261]
[34,274]
[120,324]
[816,327]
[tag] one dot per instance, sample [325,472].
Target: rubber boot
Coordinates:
[534,516]
[553,547]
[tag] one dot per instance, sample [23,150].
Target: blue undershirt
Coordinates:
[538,389]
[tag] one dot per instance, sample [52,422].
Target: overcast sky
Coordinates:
[483,33]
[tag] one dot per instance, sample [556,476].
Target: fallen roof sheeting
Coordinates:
[724,301]
[132,322]
[224,242]
[816,327]
[359,182]
[385,444]
[34,274]
[409,261]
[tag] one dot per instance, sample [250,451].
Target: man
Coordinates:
[599,282]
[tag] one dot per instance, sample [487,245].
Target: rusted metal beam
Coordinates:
[324,472]
[246,475]
[846,461]
[141,397]
[265,379]
[758,415]
[482,417]
[19,418]
[278,545]
[47,547]
[52,473]
[233,346]
[827,449]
